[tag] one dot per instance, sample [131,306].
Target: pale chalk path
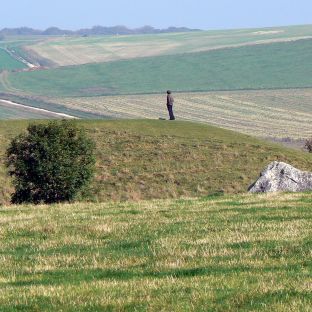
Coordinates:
[35,109]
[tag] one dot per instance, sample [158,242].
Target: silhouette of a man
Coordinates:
[170,101]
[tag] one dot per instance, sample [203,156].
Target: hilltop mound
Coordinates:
[145,159]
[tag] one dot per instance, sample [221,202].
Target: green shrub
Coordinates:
[50,163]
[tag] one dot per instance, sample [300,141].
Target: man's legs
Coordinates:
[170,110]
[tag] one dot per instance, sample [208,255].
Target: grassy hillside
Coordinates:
[281,113]
[7,62]
[278,65]
[146,159]
[66,51]
[238,253]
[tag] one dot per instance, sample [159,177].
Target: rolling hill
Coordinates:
[148,159]
[168,225]
[268,82]
[73,50]
[274,66]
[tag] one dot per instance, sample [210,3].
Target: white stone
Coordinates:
[279,176]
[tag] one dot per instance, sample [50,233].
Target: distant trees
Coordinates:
[308,145]
[94,31]
[50,163]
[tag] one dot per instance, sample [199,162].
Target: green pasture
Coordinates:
[228,253]
[278,65]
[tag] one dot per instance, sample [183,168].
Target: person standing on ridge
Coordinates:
[170,101]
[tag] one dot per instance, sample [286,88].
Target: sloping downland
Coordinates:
[148,159]
[231,253]
[274,66]
[75,50]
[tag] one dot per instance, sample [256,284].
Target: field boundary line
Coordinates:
[37,109]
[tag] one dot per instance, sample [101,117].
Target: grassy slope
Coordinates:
[148,159]
[278,65]
[7,62]
[238,253]
[78,50]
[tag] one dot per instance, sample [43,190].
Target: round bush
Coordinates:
[50,163]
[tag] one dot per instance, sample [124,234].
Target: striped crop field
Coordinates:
[265,113]
[79,50]
[228,253]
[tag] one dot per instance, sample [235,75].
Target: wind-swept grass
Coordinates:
[238,253]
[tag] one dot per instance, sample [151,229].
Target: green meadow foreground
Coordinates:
[224,253]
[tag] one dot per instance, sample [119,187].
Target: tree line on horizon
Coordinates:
[96,30]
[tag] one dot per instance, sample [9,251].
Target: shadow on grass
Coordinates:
[75,276]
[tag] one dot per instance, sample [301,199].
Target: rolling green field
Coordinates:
[66,51]
[270,81]
[228,253]
[168,225]
[148,159]
[278,65]
[7,62]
